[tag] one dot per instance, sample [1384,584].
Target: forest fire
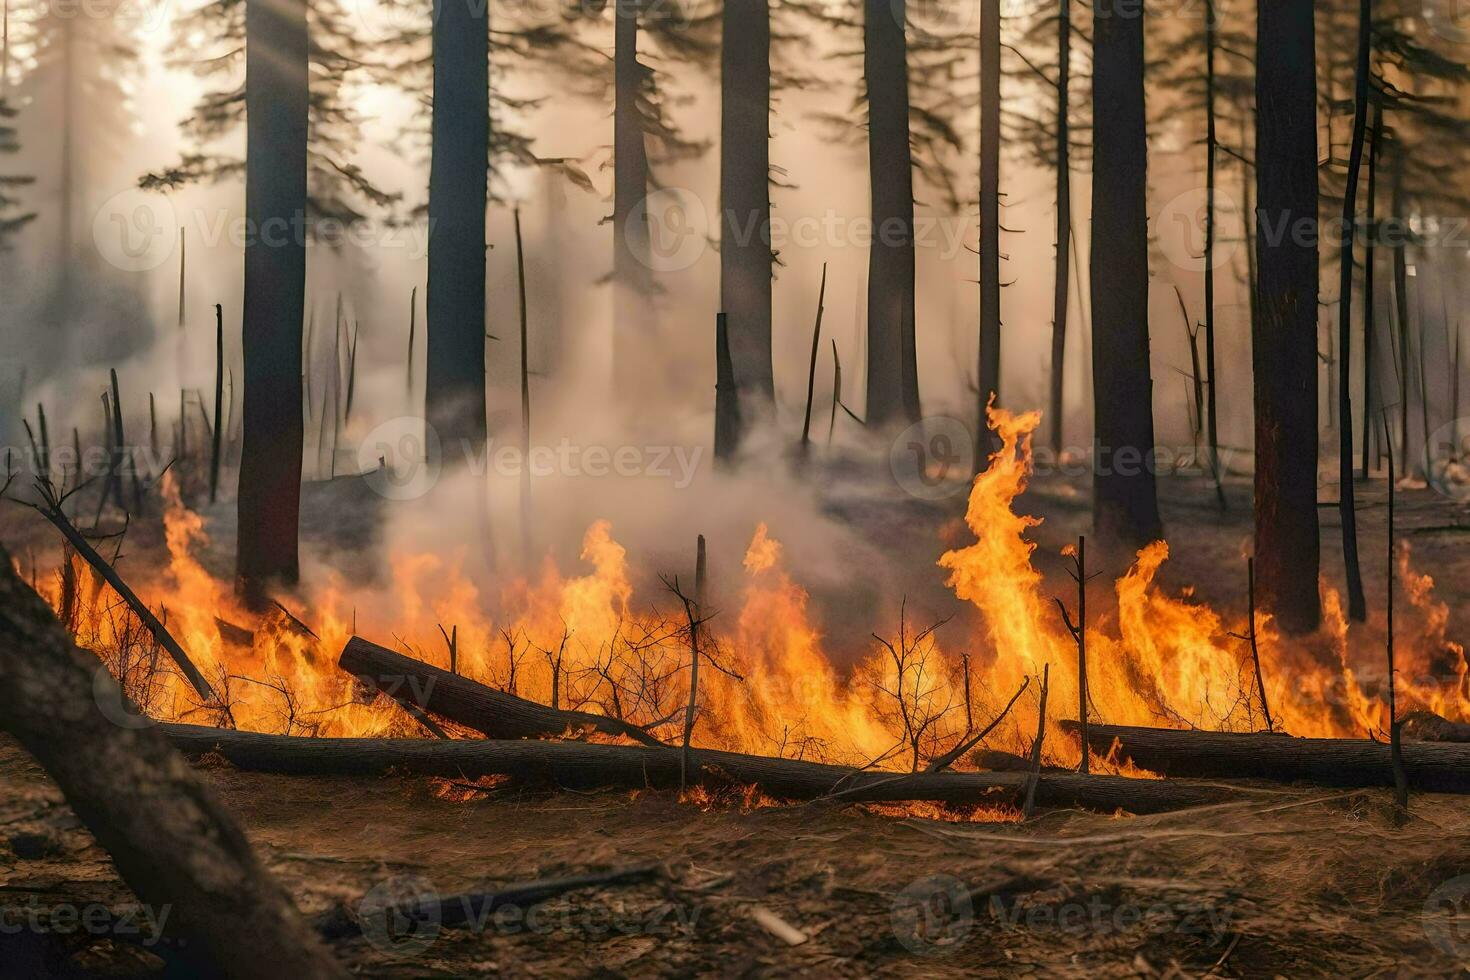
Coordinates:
[585,641]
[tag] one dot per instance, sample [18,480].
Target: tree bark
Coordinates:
[493,713]
[1438,767]
[170,840]
[1284,337]
[454,387]
[988,366]
[1212,429]
[1357,604]
[745,199]
[633,332]
[579,765]
[1125,506]
[276,96]
[1060,285]
[893,372]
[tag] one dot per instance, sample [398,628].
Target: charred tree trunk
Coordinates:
[728,427]
[493,713]
[579,765]
[1125,505]
[454,387]
[1212,427]
[1284,339]
[1437,767]
[276,97]
[1060,284]
[893,372]
[989,356]
[1357,604]
[1369,311]
[632,326]
[745,199]
[169,839]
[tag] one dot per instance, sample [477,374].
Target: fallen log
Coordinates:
[493,713]
[1426,726]
[172,843]
[1435,767]
[586,766]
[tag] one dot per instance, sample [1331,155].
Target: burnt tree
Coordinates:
[1125,506]
[1284,334]
[1061,276]
[276,97]
[454,390]
[745,198]
[893,371]
[989,357]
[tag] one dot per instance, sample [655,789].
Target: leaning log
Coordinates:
[1426,726]
[170,840]
[1436,767]
[493,713]
[585,766]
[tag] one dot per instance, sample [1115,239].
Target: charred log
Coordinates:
[171,842]
[579,765]
[1432,767]
[493,713]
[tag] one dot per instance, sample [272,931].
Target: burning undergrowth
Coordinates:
[770,683]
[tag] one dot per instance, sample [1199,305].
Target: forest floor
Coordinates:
[1291,881]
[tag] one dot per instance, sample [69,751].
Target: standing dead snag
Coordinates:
[811,372]
[1395,727]
[219,400]
[1029,806]
[171,842]
[1250,634]
[727,396]
[1079,633]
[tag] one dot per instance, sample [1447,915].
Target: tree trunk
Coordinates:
[454,387]
[728,418]
[633,335]
[170,840]
[893,372]
[466,702]
[1060,284]
[745,200]
[1212,429]
[276,96]
[989,355]
[1370,404]
[1436,767]
[1357,604]
[580,765]
[1125,504]
[1284,339]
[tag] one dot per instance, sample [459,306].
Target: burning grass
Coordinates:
[584,641]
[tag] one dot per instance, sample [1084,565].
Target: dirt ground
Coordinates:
[1290,881]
